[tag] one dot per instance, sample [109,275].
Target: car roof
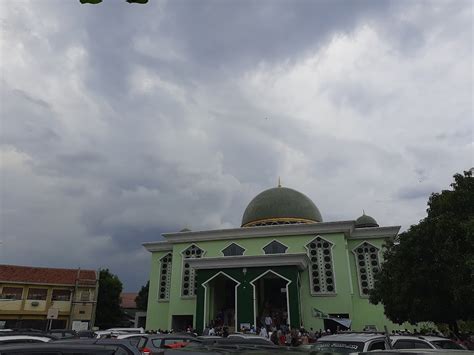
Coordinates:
[414,337]
[38,348]
[419,352]
[243,335]
[19,337]
[434,338]
[169,336]
[360,337]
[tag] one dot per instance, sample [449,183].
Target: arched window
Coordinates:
[275,247]
[189,284]
[321,271]
[165,277]
[368,264]
[233,250]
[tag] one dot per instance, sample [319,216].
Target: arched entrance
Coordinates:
[271,299]
[220,301]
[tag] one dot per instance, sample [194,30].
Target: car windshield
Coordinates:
[446,344]
[338,346]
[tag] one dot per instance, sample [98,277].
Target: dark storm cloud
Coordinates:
[217,34]
[121,122]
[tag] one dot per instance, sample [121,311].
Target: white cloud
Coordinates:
[119,125]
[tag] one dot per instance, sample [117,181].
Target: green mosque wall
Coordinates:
[346,300]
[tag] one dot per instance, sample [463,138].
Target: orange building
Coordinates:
[29,294]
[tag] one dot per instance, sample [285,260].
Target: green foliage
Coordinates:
[429,275]
[142,299]
[108,312]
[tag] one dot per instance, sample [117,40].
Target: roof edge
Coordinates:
[346,227]
[375,232]
[161,245]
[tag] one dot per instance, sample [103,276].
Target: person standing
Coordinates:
[268,321]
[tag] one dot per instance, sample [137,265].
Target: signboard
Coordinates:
[318,313]
[53,313]
[78,325]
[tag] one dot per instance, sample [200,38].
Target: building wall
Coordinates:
[157,312]
[38,309]
[346,300]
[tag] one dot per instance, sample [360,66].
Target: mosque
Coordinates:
[284,262]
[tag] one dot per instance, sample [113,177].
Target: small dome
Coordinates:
[280,205]
[365,221]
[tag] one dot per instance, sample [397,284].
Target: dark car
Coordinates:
[62,333]
[124,346]
[86,334]
[239,343]
[156,343]
[59,349]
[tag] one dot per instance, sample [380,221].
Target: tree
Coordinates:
[429,274]
[142,299]
[108,313]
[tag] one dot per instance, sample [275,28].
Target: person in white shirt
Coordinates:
[263,332]
[268,321]
[212,331]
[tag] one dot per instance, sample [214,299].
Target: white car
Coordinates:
[127,330]
[21,339]
[351,342]
[423,342]
[248,337]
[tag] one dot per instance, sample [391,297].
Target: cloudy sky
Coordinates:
[120,122]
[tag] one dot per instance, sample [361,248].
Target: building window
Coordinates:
[85,296]
[233,250]
[11,293]
[368,264]
[321,271]
[38,294]
[61,295]
[165,277]
[275,248]
[189,284]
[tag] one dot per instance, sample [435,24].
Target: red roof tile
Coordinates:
[128,300]
[44,275]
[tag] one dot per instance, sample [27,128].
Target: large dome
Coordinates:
[280,205]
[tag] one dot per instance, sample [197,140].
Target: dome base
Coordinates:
[278,221]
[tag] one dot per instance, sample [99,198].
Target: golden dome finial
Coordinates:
[279,182]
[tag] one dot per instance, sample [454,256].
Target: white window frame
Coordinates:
[356,260]
[310,268]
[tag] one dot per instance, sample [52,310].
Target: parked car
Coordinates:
[418,352]
[62,333]
[59,349]
[351,342]
[86,334]
[21,339]
[125,346]
[423,342]
[28,332]
[127,330]
[151,344]
[253,337]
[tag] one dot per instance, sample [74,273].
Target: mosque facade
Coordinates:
[283,263]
